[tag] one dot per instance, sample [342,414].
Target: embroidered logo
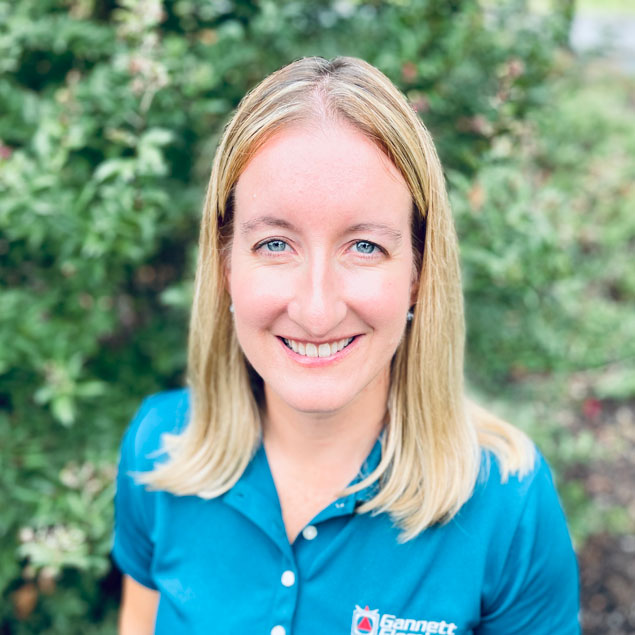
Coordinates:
[370,622]
[365,621]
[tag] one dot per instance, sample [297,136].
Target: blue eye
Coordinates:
[275,245]
[365,247]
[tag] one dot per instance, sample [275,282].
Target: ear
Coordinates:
[225,263]
[414,286]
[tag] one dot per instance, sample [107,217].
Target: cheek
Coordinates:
[382,297]
[257,295]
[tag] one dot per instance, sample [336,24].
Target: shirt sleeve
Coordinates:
[537,591]
[133,547]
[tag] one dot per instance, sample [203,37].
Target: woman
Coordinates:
[324,472]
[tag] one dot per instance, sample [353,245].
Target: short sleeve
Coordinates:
[537,590]
[133,548]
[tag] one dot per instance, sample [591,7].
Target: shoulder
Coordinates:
[504,506]
[521,525]
[492,474]
[159,414]
[515,488]
[530,573]
[135,506]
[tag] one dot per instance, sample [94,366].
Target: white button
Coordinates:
[309,532]
[288,578]
[278,630]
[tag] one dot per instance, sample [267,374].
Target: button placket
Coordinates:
[286,596]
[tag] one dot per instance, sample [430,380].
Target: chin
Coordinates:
[314,402]
[313,406]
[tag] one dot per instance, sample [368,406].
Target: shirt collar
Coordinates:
[255,494]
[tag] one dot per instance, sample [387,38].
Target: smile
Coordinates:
[326,349]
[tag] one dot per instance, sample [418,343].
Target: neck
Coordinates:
[319,439]
[314,456]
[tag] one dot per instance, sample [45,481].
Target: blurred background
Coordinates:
[109,116]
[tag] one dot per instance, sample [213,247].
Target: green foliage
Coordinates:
[548,232]
[110,114]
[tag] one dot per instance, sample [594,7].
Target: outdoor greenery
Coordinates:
[109,115]
[548,234]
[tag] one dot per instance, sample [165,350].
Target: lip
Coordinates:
[317,362]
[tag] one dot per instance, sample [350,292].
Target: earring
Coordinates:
[231,308]
[410,315]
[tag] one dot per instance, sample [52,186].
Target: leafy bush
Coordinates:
[548,233]
[110,117]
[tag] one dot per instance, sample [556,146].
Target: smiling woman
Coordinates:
[324,459]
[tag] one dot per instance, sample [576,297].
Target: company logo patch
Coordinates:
[370,622]
[365,621]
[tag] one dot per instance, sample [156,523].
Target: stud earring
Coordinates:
[231,308]
[410,315]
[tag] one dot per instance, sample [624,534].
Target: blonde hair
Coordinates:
[432,445]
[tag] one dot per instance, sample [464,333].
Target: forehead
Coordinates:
[324,172]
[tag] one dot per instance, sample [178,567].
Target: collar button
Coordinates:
[309,532]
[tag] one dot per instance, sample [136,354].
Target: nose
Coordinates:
[318,305]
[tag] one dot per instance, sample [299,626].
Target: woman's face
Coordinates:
[321,266]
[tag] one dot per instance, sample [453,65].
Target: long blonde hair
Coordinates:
[432,445]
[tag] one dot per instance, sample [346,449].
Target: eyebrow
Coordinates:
[376,227]
[272,221]
[267,221]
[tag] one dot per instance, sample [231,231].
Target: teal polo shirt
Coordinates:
[503,565]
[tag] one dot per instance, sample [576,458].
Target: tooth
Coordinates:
[334,348]
[294,345]
[324,350]
[341,344]
[301,348]
[311,350]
